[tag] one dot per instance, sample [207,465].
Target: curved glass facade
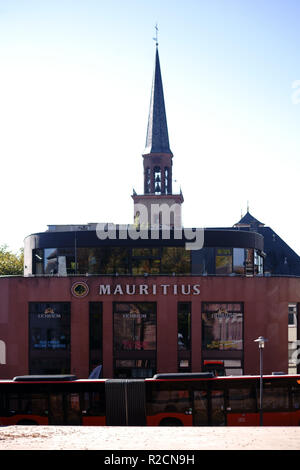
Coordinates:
[165,260]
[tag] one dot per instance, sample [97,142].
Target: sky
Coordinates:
[75,84]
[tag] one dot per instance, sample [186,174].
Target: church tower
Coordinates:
[157,162]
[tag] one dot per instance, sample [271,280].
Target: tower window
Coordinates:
[148,181]
[166,180]
[157,179]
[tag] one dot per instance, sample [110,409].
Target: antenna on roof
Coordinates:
[156,35]
[247,206]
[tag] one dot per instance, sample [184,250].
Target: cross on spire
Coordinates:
[156,35]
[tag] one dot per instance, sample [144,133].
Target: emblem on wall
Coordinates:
[80,289]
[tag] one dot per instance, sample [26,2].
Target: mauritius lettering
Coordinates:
[145,289]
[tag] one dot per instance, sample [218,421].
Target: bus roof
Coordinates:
[44,378]
[184,375]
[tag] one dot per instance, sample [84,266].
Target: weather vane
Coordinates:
[156,35]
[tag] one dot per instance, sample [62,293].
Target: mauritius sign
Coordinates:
[153,289]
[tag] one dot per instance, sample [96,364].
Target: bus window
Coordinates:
[275,398]
[2,403]
[217,408]
[242,399]
[56,409]
[200,411]
[73,411]
[28,403]
[94,403]
[176,401]
[64,409]
[295,391]
[13,402]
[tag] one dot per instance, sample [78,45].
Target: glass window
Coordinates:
[66,261]
[242,399]
[175,260]
[167,178]
[293,314]
[94,403]
[49,338]
[233,367]
[157,179]
[142,266]
[217,408]
[239,260]
[249,261]
[147,252]
[115,260]
[258,263]
[38,261]
[176,401]
[94,260]
[134,368]
[275,398]
[184,365]
[50,261]
[214,365]
[184,326]
[222,326]
[72,409]
[108,260]
[56,409]
[200,413]
[145,260]
[295,391]
[83,255]
[148,181]
[28,403]
[292,338]
[135,326]
[223,261]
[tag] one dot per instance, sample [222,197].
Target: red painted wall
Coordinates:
[265,313]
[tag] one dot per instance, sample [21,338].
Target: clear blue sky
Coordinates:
[75,81]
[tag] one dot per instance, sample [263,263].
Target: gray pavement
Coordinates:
[146,438]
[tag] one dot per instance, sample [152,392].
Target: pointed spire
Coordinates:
[157,140]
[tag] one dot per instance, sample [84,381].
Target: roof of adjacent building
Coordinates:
[280,259]
[248,219]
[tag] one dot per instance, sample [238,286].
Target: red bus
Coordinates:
[184,399]
[215,366]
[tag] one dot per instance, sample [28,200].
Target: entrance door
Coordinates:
[200,408]
[64,409]
[56,409]
[218,415]
[72,409]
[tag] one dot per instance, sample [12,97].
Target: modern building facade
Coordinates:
[152,296]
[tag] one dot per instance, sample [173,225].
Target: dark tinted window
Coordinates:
[49,338]
[275,398]
[242,399]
